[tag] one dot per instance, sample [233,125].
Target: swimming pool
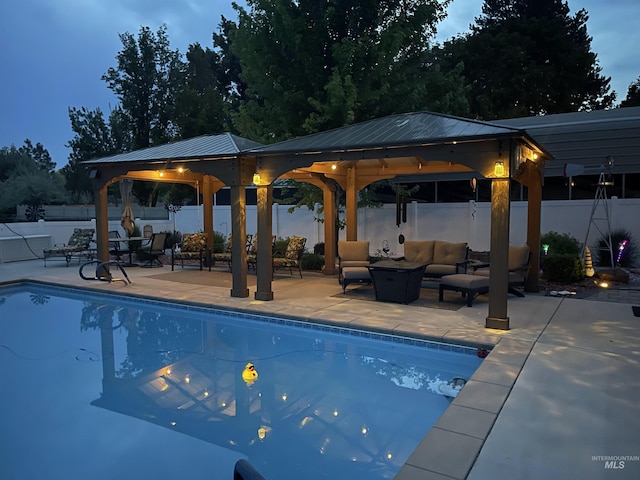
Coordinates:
[107,386]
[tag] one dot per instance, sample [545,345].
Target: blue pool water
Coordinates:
[108,387]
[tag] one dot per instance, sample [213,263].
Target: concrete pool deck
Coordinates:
[557,397]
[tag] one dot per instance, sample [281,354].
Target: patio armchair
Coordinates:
[192,248]
[153,251]
[292,256]
[353,260]
[77,246]
[518,268]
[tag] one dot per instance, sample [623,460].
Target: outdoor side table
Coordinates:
[396,281]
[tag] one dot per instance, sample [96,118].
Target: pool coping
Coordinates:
[453,444]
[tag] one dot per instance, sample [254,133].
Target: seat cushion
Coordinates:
[353,251]
[439,270]
[449,253]
[419,251]
[462,280]
[356,273]
[518,257]
[194,242]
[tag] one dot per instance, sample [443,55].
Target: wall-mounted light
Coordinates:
[256,178]
[498,169]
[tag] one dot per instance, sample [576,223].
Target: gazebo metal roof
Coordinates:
[416,128]
[222,145]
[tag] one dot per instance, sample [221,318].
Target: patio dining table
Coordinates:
[129,239]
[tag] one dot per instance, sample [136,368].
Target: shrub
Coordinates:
[280,247]
[564,268]
[318,248]
[312,261]
[560,243]
[172,239]
[629,255]
[219,242]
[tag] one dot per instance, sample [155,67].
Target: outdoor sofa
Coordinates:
[441,258]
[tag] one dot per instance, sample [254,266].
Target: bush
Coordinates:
[560,244]
[318,248]
[629,255]
[312,261]
[219,242]
[564,268]
[280,247]
[172,239]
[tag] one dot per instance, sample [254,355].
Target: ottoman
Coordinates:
[354,275]
[469,285]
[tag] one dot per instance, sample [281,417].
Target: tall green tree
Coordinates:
[529,57]
[633,95]
[39,155]
[146,81]
[94,137]
[24,181]
[310,66]
[200,107]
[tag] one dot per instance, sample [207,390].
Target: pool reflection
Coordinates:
[320,407]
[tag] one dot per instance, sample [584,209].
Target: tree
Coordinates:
[200,108]
[310,66]
[94,138]
[528,57]
[39,155]
[633,95]
[23,180]
[146,81]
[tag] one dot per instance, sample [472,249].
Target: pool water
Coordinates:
[103,386]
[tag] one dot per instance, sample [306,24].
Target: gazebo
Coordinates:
[354,156]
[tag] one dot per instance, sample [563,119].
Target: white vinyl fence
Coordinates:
[455,222]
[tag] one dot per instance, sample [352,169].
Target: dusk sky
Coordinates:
[54,52]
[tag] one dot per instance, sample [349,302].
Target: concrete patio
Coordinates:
[557,397]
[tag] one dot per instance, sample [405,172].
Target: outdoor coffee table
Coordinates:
[397,281]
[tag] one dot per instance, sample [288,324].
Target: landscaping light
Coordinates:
[621,247]
[545,248]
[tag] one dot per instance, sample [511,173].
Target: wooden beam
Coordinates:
[499,254]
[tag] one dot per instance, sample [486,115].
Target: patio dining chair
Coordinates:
[152,252]
[116,247]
